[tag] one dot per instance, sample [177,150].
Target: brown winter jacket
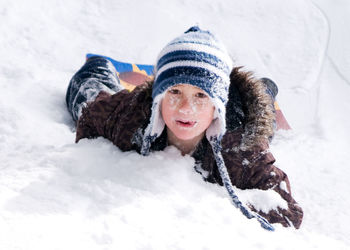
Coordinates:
[122,118]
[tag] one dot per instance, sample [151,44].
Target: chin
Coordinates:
[185,135]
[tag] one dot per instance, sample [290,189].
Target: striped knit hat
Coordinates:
[197,58]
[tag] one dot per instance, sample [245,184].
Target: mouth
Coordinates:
[185,123]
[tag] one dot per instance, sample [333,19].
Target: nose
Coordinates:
[186,106]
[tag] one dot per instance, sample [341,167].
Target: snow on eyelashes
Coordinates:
[188,105]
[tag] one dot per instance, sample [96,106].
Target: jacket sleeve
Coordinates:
[118,117]
[95,116]
[253,169]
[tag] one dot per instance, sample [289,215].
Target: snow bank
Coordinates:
[55,194]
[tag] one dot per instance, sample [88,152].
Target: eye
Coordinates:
[201,95]
[174,91]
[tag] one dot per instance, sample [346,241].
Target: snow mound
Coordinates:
[55,194]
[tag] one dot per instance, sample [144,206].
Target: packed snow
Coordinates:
[55,194]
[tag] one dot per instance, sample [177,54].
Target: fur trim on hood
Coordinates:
[257,106]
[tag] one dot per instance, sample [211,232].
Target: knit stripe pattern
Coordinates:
[195,58]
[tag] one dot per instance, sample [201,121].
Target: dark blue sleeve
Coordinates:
[96,74]
[271,87]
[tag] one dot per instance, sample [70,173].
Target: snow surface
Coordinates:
[55,194]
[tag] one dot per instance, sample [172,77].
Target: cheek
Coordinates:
[167,111]
[204,109]
[202,105]
[172,101]
[206,115]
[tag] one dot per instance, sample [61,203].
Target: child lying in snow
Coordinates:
[222,117]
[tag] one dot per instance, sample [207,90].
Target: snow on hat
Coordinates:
[197,58]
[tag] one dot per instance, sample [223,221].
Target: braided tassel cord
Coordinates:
[236,202]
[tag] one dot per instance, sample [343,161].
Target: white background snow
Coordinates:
[55,194]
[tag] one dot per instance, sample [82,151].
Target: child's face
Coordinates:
[187,111]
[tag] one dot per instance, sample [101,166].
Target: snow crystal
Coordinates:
[245,162]
[283,186]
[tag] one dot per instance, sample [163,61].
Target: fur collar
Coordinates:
[257,107]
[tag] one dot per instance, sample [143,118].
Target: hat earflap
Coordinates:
[155,126]
[217,128]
